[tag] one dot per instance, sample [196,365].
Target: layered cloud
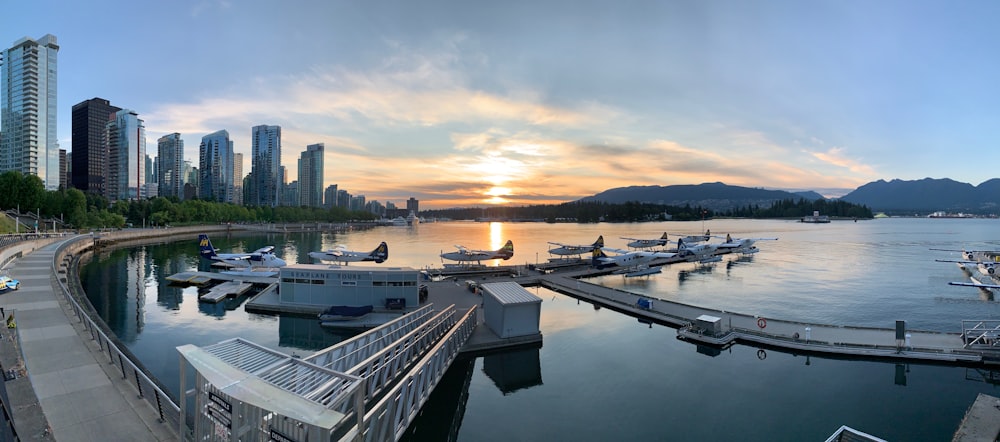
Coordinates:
[414,125]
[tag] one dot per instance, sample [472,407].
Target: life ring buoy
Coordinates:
[761,354]
[761,322]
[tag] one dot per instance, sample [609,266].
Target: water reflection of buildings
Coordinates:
[168,295]
[126,317]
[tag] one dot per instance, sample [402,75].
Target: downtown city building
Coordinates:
[311,176]
[265,186]
[126,156]
[28,137]
[215,167]
[169,165]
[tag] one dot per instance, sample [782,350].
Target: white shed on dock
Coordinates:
[510,310]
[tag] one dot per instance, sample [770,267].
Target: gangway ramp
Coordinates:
[415,349]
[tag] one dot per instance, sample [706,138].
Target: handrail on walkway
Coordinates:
[167,409]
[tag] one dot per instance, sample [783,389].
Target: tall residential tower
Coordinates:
[28,109]
[311,176]
[126,156]
[170,162]
[265,166]
[215,168]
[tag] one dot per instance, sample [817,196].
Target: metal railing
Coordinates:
[167,410]
[388,364]
[346,354]
[390,417]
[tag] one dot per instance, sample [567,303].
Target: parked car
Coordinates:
[8,283]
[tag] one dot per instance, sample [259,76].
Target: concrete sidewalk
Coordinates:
[81,394]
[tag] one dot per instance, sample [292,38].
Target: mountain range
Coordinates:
[896,196]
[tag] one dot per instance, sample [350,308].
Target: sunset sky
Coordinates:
[461,103]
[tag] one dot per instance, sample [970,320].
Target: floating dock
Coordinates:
[224,290]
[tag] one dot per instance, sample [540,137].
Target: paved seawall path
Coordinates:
[80,393]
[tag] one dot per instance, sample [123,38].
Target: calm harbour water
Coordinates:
[602,375]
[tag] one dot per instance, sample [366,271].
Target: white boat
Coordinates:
[412,219]
[398,221]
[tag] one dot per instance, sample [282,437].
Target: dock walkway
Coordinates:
[81,396]
[789,335]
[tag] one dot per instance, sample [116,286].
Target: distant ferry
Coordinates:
[816,218]
[950,215]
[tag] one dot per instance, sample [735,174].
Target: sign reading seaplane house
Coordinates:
[325,285]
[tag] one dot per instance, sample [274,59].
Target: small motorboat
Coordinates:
[345,313]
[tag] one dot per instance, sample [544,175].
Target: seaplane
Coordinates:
[692,239]
[698,253]
[638,243]
[632,262]
[262,258]
[465,255]
[570,250]
[742,245]
[342,255]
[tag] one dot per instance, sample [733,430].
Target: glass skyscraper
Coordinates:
[215,167]
[311,176]
[265,166]
[28,109]
[170,162]
[126,156]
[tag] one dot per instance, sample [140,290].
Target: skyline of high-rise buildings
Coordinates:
[28,109]
[108,154]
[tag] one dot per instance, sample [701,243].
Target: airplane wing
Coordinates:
[560,244]
[973,284]
[959,261]
[265,249]
[663,255]
[629,239]
[614,250]
[335,252]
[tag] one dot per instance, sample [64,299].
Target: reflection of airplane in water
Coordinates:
[632,263]
[637,243]
[341,254]
[465,255]
[262,258]
[570,250]
[683,275]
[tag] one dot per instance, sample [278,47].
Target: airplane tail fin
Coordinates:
[381,253]
[507,250]
[205,246]
[681,247]
[664,235]
[599,242]
[597,256]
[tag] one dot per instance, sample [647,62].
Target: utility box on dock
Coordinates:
[510,310]
[708,324]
